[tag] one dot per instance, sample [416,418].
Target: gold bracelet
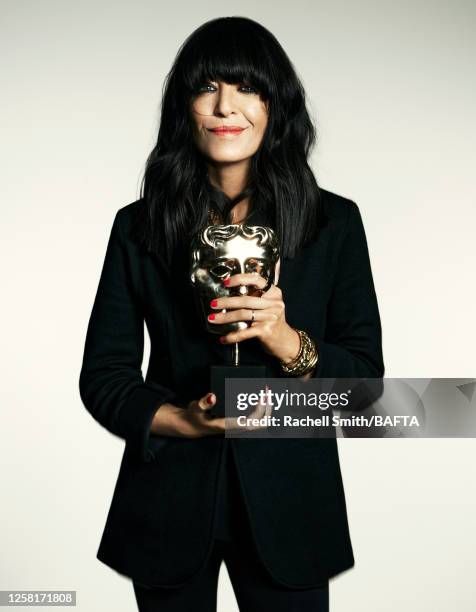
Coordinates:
[305,360]
[290,364]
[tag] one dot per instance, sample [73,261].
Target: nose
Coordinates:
[225,100]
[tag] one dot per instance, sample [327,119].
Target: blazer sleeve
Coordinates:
[352,343]
[111,384]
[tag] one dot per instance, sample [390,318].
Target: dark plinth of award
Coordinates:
[219,373]
[218,252]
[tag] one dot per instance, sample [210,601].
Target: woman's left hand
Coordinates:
[277,337]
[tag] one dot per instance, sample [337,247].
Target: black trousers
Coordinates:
[255,589]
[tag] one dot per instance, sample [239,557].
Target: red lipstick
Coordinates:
[227,129]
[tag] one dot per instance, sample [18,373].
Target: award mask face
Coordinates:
[218,251]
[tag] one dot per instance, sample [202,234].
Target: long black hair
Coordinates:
[176,194]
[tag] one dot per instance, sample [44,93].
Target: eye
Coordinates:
[249,89]
[221,270]
[254,265]
[205,87]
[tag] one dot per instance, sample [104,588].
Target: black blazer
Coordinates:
[160,523]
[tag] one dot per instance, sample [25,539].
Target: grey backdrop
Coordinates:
[391,86]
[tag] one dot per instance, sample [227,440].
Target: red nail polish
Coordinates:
[226,282]
[222,339]
[213,303]
[211,316]
[209,398]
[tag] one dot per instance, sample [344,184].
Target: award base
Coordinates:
[218,376]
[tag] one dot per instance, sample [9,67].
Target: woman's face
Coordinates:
[219,106]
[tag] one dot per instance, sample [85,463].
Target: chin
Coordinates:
[223,159]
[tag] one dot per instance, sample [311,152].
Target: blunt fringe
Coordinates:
[176,193]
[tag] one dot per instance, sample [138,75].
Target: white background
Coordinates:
[391,87]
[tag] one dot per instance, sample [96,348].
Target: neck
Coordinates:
[231,178]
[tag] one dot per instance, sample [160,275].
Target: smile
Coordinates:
[225,131]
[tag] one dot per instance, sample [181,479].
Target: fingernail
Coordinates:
[226,282]
[222,339]
[211,316]
[210,398]
[213,303]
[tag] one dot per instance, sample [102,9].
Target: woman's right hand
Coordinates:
[191,422]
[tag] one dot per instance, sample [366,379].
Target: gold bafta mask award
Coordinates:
[217,252]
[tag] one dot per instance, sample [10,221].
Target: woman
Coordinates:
[233,144]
